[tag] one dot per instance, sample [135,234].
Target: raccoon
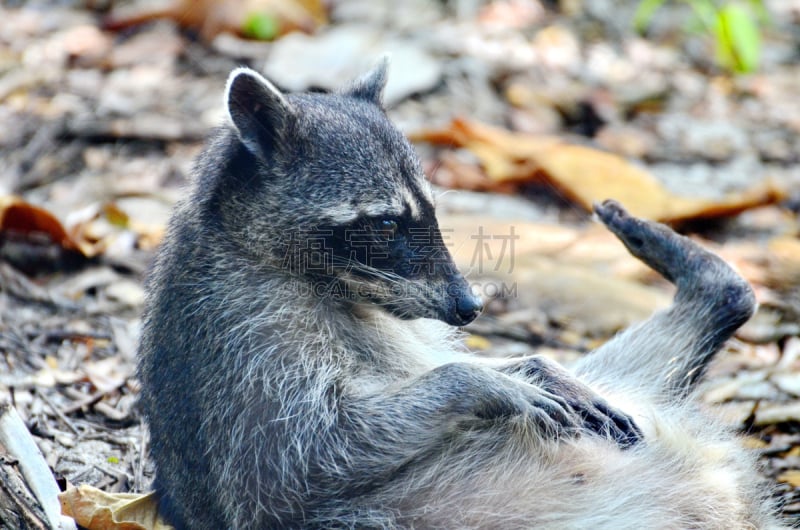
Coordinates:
[299,367]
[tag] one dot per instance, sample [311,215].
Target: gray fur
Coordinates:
[288,392]
[259,113]
[370,86]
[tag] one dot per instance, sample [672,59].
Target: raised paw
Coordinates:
[667,252]
[695,271]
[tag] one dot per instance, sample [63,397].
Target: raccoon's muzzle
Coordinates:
[463,305]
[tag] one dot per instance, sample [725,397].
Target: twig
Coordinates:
[91,399]
[138,472]
[58,412]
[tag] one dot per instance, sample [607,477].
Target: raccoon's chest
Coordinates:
[397,350]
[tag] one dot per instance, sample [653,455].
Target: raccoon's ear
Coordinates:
[259,111]
[370,86]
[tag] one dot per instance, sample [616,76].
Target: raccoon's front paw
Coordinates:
[699,274]
[599,417]
[665,251]
[594,414]
[549,414]
[552,415]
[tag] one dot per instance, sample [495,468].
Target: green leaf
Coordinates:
[261,26]
[644,14]
[738,39]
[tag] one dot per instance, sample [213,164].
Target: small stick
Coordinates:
[60,414]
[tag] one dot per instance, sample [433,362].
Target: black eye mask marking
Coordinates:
[372,247]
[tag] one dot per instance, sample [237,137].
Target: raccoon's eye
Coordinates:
[388,228]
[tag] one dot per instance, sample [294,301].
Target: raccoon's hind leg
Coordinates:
[671,350]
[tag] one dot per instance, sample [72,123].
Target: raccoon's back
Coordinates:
[177,367]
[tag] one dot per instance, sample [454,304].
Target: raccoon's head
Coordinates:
[327,188]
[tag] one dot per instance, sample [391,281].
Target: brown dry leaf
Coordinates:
[784,266]
[584,174]
[212,17]
[450,172]
[791,476]
[23,218]
[97,510]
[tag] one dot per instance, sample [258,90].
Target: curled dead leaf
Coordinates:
[213,17]
[95,509]
[25,219]
[584,174]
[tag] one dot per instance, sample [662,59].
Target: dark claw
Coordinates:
[623,429]
[599,418]
[579,407]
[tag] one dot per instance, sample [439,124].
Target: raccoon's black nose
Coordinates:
[468,308]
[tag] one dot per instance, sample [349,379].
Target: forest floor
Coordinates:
[523,111]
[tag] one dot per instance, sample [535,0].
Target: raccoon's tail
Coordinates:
[669,353]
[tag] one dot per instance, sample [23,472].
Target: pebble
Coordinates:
[788,382]
[778,413]
[331,59]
